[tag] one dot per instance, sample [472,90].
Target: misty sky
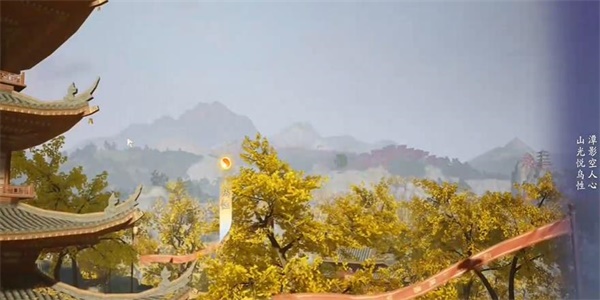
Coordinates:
[454,79]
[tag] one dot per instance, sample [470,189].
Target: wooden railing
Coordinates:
[16,80]
[17,191]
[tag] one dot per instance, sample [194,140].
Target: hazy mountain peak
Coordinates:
[304,127]
[518,144]
[199,128]
[501,160]
[204,110]
[298,135]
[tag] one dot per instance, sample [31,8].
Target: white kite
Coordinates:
[129,143]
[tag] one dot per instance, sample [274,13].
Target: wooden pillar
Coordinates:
[5,157]
[4,174]
[16,264]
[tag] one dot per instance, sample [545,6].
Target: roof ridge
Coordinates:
[73,101]
[109,211]
[172,287]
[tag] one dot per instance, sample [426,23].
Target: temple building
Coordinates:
[30,31]
[355,258]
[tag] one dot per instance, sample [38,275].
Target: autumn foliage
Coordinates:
[283,241]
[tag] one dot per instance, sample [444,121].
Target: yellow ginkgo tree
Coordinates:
[450,225]
[174,226]
[74,192]
[274,229]
[280,236]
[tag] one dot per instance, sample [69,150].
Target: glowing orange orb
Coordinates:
[225,163]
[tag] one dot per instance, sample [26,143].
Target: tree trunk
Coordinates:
[511,277]
[108,289]
[487,285]
[467,290]
[74,271]
[58,265]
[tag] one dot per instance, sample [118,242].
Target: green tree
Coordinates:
[69,191]
[341,161]
[159,178]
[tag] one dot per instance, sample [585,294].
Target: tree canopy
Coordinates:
[174,226]
[283,241]
[71,191]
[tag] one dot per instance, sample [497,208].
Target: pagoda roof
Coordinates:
[71,104]
[20,221]
[43,287]
[28,122]
[358,256]
[33,30]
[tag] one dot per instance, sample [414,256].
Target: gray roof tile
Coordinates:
[70,102]
[24,219]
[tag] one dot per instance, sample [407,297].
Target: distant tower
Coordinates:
[543,161]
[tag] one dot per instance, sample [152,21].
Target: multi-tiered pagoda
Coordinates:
[29,32]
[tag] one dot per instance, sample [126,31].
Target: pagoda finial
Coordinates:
[164,275]
[71,92]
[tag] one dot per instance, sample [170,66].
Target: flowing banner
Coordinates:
[531,238]
[540,234]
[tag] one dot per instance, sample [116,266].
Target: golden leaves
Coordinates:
[281,238]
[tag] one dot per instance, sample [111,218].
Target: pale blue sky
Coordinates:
[455,79]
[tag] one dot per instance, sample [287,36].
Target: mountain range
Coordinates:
[189,146]
[502,159]
[211,127]
[205,126]
[304,136]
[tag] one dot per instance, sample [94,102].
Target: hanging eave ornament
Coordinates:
[98,4]
[90,121]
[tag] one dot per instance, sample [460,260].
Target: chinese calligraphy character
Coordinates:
[592,139]
[580,174]
[593,185]
[580,185]
[580,152]
[592,175]
[592,163]
[580,163]
[580,140]
[593,150]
